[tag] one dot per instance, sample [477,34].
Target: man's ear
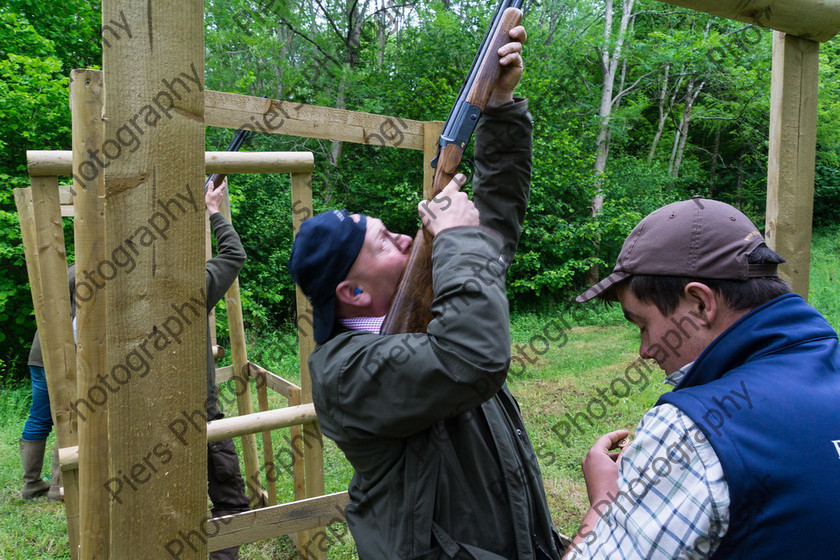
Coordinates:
[702,301]
[350,293]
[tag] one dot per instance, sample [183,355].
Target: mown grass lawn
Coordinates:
[567,361]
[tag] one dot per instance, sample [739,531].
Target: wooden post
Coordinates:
[241,377]
[56,332]
[792,153]
[431,135]
[86,93]
[313,442]
[156,311]
[268,448]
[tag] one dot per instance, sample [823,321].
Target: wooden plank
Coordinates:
[67,193]
[86,99]
[23,201]
[48,163]
[247,424]
[298,469]
[271,522]
[271,380]
[268,447]
[792,153]
[818,20]
[241,376]
[313,448]
[156,314]
[56,332]
[230,110]
[224,374]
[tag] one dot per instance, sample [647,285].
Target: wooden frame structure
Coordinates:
[87,504]
[100,525]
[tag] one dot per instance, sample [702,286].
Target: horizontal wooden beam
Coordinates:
[224,374]
[272,380]
[274,521]
[225,428]
[231,110]
[47,163]
[817,20]
[234,426]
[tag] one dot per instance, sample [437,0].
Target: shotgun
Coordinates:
[410,310]
[216,178]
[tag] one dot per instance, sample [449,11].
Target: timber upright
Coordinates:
[411,308]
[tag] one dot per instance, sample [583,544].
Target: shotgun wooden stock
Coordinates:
[410,310]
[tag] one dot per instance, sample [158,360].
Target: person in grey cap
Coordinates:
[443,464]
[742,458]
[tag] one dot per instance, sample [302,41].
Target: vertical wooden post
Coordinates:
[86,94]
[156,327]
[56,333]
[313,441]
[241,376]
[268,448]
[431,135]
[792,153]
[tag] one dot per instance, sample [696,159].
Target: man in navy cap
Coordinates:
[443,465]
[742,458]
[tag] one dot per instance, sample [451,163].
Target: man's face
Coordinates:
[381,260]
[673,341]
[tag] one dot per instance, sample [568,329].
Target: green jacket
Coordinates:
[444,466]
[221,272]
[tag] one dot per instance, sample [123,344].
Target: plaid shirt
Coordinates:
[673,501]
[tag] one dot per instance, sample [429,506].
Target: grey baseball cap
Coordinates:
[696,238]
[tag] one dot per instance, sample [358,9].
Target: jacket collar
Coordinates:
[782,322]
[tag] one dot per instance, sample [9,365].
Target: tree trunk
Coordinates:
[610,59]
[714,166]
[352,44]
[666,105]
[692,92]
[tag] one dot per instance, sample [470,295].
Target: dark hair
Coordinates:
[665,291]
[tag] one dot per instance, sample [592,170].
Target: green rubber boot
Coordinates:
[55,494]
[32,457]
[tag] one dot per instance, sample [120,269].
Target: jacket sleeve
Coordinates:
[502,182]
[366,384]
[223,269]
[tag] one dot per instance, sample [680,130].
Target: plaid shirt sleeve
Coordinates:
[673,501]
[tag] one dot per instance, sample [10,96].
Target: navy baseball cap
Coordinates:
[325,248]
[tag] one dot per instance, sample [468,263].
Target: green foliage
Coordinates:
[33,102]
[408,61]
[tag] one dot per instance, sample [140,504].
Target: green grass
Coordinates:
[566,358]
[824,289]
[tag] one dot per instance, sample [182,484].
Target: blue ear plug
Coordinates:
[357,291]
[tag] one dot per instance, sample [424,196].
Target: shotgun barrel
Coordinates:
[216,178]
[410,310]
